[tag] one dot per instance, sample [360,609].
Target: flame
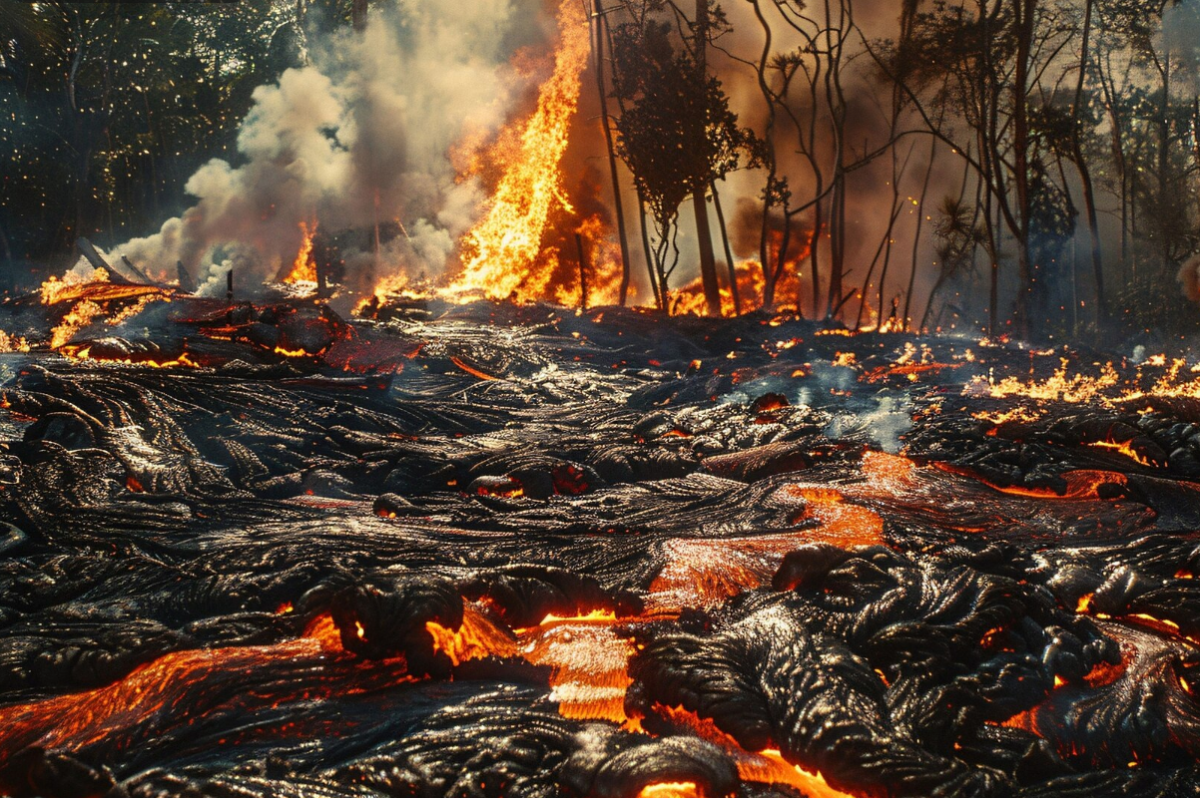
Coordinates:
[279,350]
[1125,448]
[390,287]
[500,254]
[1106,388]
[1058,387]
[689,298]
[85,353]
[1018,414]
[11,343]
[304,268]
[80,316]
[595,616]
[57,289]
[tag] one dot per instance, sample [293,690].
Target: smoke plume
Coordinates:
[359,137]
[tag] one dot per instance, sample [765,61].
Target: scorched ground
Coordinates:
[262,550]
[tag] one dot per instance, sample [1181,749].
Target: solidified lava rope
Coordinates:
[593,555]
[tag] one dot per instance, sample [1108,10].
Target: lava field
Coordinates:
[500,550]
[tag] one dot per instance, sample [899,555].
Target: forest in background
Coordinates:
[1024,166]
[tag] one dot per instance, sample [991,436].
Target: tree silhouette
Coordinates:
[664,103]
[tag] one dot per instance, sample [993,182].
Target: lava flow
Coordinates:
[263,547]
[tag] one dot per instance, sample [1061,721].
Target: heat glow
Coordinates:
[501,253]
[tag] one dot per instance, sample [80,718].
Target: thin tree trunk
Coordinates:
[1164,152]
[864,294]
[768,300]
[583,270]
[1023,22]
[618,205]
[734,293]
[708,260]
[916,249]
[815,259]
[659,299]
[1085,173]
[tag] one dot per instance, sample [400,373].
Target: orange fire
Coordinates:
[690,297]
[501,253]
[304,268]
[12,343]
[1125,448]
[80,316]
[279,350]
[58,289]
[85,353]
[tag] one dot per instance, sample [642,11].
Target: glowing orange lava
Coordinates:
[671,789]
[1125,448]
[84,353]
[79,719]
[476,638]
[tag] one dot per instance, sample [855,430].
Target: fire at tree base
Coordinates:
[490,549]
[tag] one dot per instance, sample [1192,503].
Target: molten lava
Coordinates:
[1125,448]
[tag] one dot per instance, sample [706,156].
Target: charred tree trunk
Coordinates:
[1085,173]
[583,270]
[708,261]
[1023,21]
[734,293]
[768,298]
[916,248]
[618,205]
[659,298]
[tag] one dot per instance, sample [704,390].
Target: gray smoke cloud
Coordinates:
[360,136]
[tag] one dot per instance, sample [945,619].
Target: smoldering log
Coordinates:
[88,250]
[137,273]
[187,283]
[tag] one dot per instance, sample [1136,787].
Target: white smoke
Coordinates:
[1181,35]
[360,137]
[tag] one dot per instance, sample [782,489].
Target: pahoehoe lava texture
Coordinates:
[527,552]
